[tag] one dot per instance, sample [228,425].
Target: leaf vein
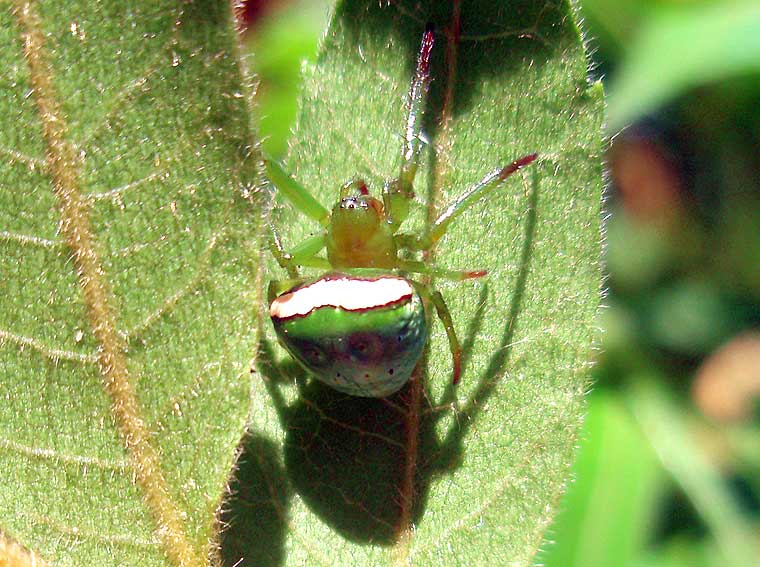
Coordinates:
[372,166]
[531,32]
[118,191]
[77,232]
[493,497]
[54,455]
[53,354]
[77,532]
[324,417]
[122,97]
[441,168]
[31,162]
[171,301]
[9,236]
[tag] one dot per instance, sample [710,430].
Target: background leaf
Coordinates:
[679,50]
[491,466]
[609,513]
[127,277]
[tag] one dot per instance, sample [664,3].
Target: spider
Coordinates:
[361,327]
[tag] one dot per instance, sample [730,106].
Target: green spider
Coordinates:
[361,327]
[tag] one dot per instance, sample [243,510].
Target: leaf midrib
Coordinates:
[76,230]
[442,165]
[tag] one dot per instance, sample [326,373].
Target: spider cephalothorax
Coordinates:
[359,234]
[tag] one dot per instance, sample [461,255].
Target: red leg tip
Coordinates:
[457,368]
[474,274]
[518,164]
[423,59]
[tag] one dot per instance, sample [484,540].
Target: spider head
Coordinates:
[359,235]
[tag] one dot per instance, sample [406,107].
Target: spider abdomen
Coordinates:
[360,335]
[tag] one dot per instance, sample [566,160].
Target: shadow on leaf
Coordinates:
[525,29]
[255,516]
[345,456]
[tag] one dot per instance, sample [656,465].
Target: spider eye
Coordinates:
[353,203]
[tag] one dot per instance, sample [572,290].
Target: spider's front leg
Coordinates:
[470,197]
[399,192]
[305,253]
[295,193]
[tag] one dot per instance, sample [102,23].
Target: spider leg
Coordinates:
[434,296]
[445,316]
[304,254]
[307,250]
[279,253]
[315,262]
[415,267]
[278,287]
[398,192]
[296,193]
[471,196]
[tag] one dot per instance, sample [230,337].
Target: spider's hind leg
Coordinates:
[434,296]
[445,316]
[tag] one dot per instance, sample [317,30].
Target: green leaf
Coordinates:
[488,470]
[675,437]
[609,513]
[682,49]
[128,270]
[280,42]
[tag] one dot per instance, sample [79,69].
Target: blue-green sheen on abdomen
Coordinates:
[369,353]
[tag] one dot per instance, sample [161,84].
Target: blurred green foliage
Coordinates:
[669,462]
[683,258]
[680,46]
[278,43]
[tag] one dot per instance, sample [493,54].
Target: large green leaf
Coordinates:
[128,270]
[450,477]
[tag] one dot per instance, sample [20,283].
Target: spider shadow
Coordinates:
[345,456]
[452,446]
[525,29]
